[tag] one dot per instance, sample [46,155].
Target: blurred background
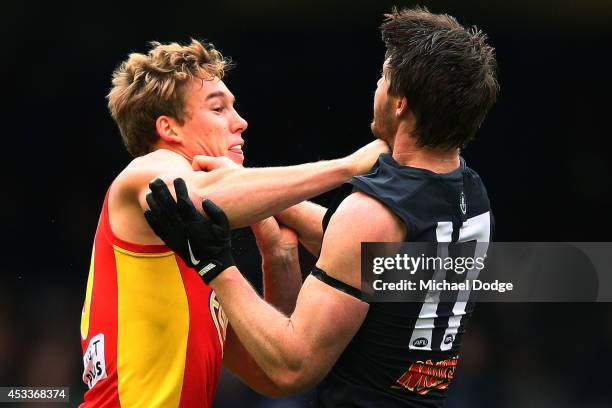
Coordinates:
[305,78]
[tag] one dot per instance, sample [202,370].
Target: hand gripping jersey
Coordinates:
[405,354]
[152,332]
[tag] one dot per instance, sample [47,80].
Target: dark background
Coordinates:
[305,77]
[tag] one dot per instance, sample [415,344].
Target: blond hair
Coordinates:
[148,86]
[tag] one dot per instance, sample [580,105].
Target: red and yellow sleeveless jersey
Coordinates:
[152,332]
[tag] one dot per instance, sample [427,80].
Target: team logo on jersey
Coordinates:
[424,376]
[218,317]
[93,361]
[449,339]
[420,342]
[462,203]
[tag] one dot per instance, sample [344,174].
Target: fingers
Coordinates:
[153,207]
[215,213]
[185,207]
[181,189]
[161,194]
[204,163]
[162,203]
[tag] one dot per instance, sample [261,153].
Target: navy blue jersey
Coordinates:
[405,354]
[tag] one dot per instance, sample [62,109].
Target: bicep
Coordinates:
[325,320]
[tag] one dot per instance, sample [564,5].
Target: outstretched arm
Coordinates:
[252,194]
[304,218]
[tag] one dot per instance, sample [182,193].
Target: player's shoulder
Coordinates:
[140,171]
[365,218]
[127,194]
[359,218]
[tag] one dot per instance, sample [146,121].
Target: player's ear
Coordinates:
[401,106]
[168,129]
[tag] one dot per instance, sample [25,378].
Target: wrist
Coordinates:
[348,167]
[211,269]
[228,275]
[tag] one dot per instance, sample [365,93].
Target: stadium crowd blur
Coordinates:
[305,77]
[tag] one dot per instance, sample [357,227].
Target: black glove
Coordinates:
[204,244]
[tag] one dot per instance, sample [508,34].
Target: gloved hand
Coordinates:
[204,244]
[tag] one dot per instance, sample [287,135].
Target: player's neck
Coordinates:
[166,148]
[406,153]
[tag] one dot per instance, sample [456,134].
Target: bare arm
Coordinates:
[306,218]
[250,195]
[282,281]
[247,195]
[239,362]
[296,352]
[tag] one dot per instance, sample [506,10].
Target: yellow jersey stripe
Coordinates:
[87,304]
[152,329]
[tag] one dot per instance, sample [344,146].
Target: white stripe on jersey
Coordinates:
[477,229]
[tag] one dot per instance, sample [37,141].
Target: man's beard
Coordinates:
[382,125]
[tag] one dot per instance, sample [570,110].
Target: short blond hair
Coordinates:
[148,86]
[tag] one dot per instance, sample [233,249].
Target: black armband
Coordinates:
[335,283]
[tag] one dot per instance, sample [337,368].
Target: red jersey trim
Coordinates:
[126,245]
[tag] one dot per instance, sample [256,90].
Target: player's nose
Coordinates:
[240,124]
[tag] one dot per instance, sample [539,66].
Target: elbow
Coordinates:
[292,380]
[289,383]
[294,370]
[270,391]
[283,383]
